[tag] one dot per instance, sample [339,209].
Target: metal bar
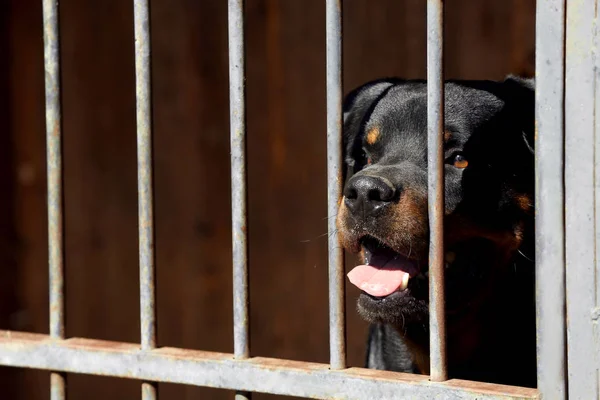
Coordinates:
[238,177]
[239,194]
[580,200]
[55,184]
[435,177]
[337,328]
[218,370]
[595,314]
[143,91]
[549,164]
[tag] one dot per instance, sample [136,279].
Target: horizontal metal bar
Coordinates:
[435,177]
[218,370]
[55,183]
[549,159]
[337,325]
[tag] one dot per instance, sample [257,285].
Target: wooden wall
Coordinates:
[287,155]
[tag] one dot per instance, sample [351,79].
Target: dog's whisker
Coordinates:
[403,322]
[335,232]
[521,253]
[315,238]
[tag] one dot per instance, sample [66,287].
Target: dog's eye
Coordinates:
[365,156]
[459,161]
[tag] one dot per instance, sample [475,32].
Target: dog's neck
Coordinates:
[489,322]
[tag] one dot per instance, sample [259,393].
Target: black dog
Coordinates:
[489,227]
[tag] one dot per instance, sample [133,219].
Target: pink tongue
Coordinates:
[377,282]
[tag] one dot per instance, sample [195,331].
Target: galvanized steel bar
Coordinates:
[237,103]
[435,176]
[143,92]
[239,195]
[55,184]
[217,370]
[549,164]
[595,313]
[337,328]
[581,201]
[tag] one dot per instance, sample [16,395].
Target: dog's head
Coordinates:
[489,186]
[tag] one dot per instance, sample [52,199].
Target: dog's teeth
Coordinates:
[404,284]
[447,265]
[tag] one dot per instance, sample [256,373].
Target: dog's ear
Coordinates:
[519,95]
[358,106]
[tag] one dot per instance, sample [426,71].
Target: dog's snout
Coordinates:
[369,193]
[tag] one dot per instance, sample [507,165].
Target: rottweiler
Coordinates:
[488,225]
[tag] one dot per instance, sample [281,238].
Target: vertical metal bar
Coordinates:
[55,185]
[435,177]
[337,328]
[580,200]
[549,164]
[595,313]
[143,91]
[239,195]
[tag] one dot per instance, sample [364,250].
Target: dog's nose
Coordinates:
[369,193]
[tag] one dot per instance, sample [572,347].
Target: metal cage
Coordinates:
[568,276]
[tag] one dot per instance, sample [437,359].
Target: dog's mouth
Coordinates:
[385,270]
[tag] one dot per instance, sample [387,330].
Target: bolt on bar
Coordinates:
[55,185]
[237,118]
[435,177]
[337,332]
[550,226]
[143,92]
[581,163]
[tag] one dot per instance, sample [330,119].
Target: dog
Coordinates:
[488,225]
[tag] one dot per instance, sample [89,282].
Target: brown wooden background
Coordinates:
[286,137]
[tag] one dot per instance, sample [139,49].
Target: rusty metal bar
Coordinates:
[435,176]
[581,200]
[55,185]
[218,370]
[337,328]
[549,164]
[143,92]
[239,194]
